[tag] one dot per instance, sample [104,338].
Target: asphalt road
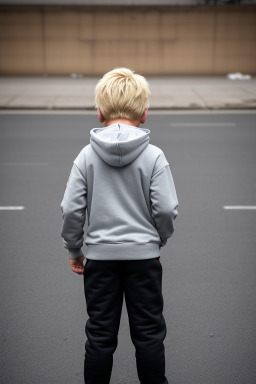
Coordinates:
[209,264]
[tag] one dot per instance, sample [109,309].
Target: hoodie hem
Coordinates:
[122,251]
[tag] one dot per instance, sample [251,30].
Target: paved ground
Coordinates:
[170,92]
[209,264]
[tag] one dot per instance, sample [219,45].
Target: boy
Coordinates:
[126,186]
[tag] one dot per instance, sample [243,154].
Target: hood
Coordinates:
[119,144]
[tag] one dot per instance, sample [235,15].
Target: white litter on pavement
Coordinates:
[238,76]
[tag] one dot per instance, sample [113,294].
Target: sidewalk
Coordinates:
[167,92]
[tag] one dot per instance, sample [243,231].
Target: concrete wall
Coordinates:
[151,40]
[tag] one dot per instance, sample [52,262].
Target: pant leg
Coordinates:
[103,291]
[144,302]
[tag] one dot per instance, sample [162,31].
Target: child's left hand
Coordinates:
[77,265]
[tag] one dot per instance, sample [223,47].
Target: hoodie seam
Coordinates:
[167,165]
[79,170]
[120,162]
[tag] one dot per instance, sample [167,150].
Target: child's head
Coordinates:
[121,93]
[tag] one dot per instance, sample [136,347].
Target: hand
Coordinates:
[77,265]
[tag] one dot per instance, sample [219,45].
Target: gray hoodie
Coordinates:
[125,186]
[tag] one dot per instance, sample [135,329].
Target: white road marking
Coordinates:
[12,208]
[206,124]
[239,206]
[23,163]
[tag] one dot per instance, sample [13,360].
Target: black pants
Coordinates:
[105,283]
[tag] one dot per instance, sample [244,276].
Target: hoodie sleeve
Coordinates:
[73,208]
[164,200]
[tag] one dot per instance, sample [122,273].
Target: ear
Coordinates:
[100,116]
[144,116]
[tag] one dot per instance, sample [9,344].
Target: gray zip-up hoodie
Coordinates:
[126,187]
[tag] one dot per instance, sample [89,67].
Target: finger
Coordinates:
[77,269]
[80,272]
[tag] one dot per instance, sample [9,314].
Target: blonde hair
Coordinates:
[121,93]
